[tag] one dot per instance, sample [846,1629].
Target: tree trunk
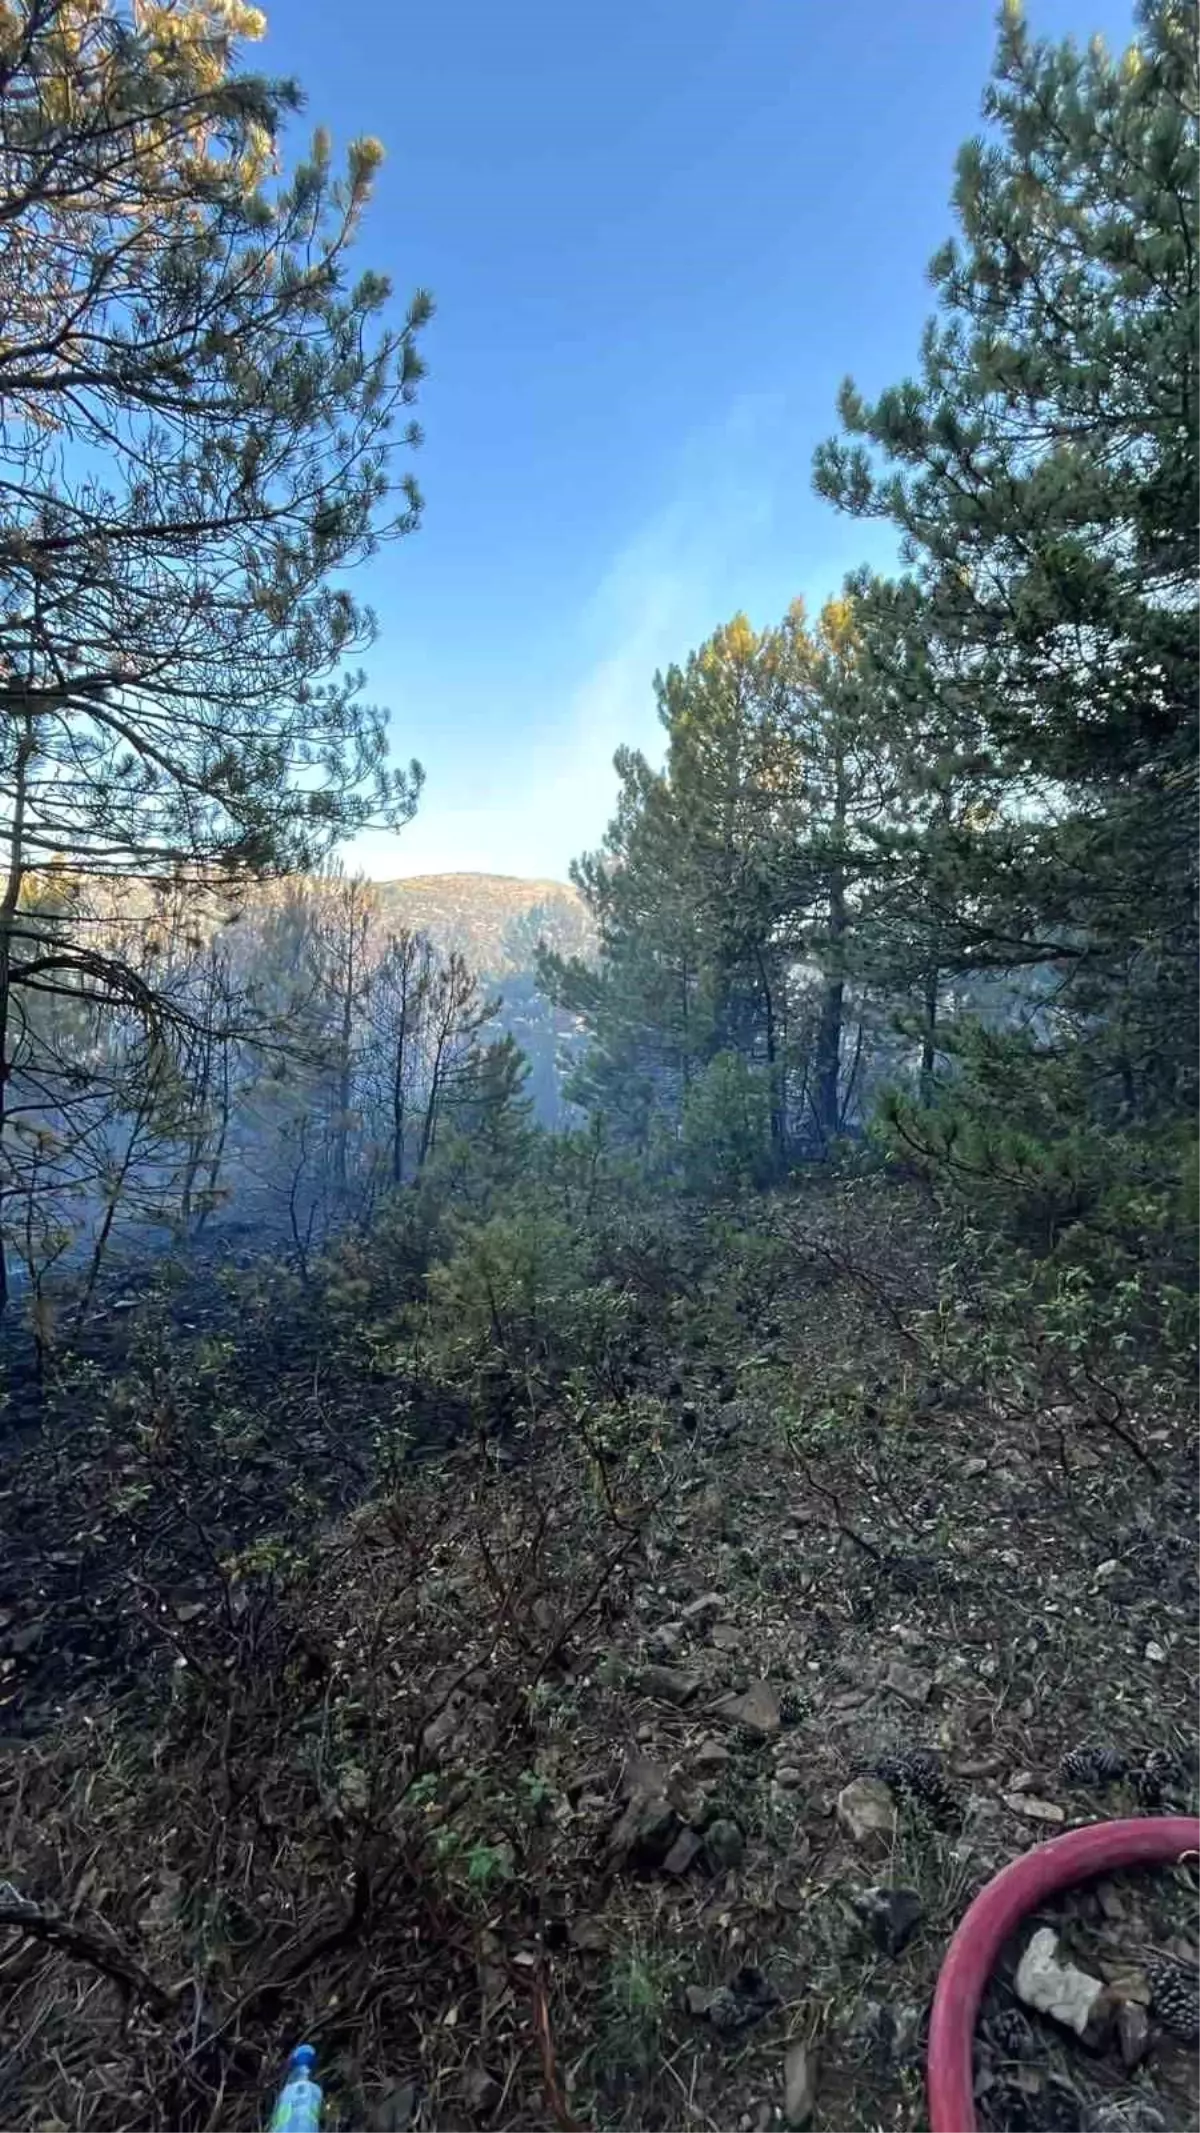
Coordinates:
[774,1083]
[929,1023]
[398,1065]
[429,1122]
[827,1064]
[8,911]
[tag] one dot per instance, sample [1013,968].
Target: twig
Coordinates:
[104,1954]
[554,2095]
[829,1497]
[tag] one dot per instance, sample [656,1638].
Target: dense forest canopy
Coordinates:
[924,861]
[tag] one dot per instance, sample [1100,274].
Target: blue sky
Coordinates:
[659,233]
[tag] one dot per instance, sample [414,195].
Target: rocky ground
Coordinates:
[583,1784]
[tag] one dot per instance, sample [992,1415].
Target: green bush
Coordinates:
[726,1141]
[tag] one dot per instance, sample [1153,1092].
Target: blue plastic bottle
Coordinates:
[299,2107]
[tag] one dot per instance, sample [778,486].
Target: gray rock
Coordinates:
[725,1637]
[685,1849]
[1133,2034]
[724,1845]
[705,1609]
[1060,1990]
[441,1730]
[665,1642]
[643,1778]
[866,1811]
[757,1708]
[893,1916]
[587,1934]
[710,1755]
[645,1834]
[1133,2114]
[697,2000]
[910,1682]
[1110,1901]
[874,2033]
[745,2000]
[799,2085]
[395,2110]
[1033,1809]
[481,2092]
[668,1684]
[788,1777]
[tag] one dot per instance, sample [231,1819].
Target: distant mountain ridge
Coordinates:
[479,915]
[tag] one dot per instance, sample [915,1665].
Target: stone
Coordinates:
[799,2085]
[645,1834]
[725,1637]
[665,1642]
[705,1609]
[866,1811]
[1133,2034]
[910,1682]
[788,1777]
[1135,2114]
[587,1934]
[893,1916]
[710,1755]
[1125,1982]
[1068,1995]
[724,1845]
[875,2031]
[482,2092]
[1156,1653]
[668,1684]
[441,1730]
[757,1709]
[1110,1901]
[973,1468]
[745,2000]
[396,2108]
[682,1853]
[642,1778]
[696,1999]
[1033,1809]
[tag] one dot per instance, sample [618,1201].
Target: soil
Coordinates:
[397,1777]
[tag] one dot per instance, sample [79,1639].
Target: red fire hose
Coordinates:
[1158,1841]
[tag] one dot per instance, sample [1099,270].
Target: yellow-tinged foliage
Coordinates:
[192,42]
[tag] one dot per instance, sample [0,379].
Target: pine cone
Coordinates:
[915,1775]
[1095,1763]
[1175,1997]
[1010,2033]
[1153,1778]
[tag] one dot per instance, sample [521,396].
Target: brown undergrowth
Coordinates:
[381,1789]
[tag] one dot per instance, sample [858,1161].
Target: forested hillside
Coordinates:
[495,921]
[583,1467]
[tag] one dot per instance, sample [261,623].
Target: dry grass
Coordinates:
[369,1801]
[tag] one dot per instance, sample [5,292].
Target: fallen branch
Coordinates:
[554,2095]
[101,1952]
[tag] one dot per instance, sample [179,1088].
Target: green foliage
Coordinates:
[727,896]
[1043,470]
[726,1139]
[516,1305]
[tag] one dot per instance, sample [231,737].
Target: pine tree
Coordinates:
[729,897]
[198,410]
[1043,471]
